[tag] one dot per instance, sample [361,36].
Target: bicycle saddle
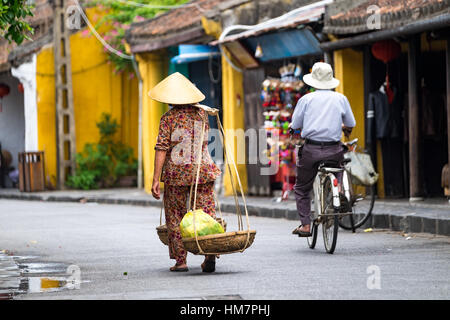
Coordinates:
[332,166]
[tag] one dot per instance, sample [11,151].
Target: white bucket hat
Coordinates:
[321,77]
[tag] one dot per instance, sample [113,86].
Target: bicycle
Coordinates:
[330,203]
[335,201]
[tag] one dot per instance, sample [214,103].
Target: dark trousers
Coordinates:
[309,158]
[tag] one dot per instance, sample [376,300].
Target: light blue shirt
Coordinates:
[320,115]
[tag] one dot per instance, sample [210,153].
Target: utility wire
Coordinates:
[99,37]
[107,45]
[125,2]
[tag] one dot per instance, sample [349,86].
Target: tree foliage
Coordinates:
[13,26]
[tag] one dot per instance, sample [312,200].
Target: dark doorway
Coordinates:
[206,75]
[432,129]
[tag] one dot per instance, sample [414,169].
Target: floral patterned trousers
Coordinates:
[175,207]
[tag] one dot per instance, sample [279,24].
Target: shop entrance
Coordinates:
[12,129]
[434,121]
[389,133]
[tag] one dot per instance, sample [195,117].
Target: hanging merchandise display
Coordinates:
[279,98]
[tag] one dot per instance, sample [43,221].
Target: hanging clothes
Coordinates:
[386,125]
[433,114]
[434,139]
[378,103]
[387,116]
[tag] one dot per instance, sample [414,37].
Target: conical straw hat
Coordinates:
[176,89]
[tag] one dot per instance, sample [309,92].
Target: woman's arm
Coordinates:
[160,158]
[161,148]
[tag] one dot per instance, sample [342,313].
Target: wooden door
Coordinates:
[254,119]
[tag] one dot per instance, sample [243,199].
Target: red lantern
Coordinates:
[4,91]
[20,87]
[386,50]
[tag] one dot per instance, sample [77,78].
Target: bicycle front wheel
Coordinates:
[361,209]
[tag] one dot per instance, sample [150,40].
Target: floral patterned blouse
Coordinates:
[177,130]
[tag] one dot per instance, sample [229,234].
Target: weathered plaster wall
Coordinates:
[153,68]
[96,89]
[12,121]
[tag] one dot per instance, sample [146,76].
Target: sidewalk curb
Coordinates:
[397,222]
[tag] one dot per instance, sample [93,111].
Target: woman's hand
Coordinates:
[160,157]
[156,191]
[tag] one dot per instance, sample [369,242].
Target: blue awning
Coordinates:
[192,52]
[284,44]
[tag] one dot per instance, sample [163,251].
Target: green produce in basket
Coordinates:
[204,223]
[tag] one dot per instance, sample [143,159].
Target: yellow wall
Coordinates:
[233,119]
[153,68]
[349,69]
[233,108]
[45,87]
[96,89]
[130,111]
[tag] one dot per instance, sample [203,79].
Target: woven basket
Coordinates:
[162,234]
[162,231]
[223,243]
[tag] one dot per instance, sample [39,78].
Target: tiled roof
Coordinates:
[351,16]
[174,22]
[41,21]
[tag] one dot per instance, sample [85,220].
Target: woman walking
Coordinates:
[176,154]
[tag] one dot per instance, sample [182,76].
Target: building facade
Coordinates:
[392,57]
[28,120]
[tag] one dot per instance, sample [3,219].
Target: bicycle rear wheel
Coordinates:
[361,210]
[330,222]
[313,239]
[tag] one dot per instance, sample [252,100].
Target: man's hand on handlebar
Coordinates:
[293,131]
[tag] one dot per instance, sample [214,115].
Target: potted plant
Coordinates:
[125,167]
[106,164]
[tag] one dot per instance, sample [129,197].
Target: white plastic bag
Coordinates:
[361,168]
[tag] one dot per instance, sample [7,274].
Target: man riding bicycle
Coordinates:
[321,116]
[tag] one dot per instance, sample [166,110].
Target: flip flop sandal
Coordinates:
[209,266]
[301,233]
[179,269]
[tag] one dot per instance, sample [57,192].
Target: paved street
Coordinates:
[120,257]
